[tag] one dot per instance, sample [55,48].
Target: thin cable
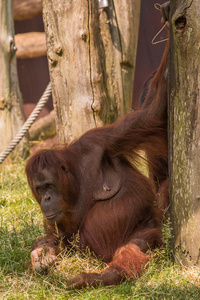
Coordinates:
[153,40]
[157,6]
[41,103]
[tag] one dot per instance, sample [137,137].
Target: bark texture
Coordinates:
[184,129]
[91,54]
[11,108]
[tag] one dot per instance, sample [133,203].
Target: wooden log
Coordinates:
[44,128]
[31,44]
[26,9]
[184,130]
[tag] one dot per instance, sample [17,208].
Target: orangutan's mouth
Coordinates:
[53,216]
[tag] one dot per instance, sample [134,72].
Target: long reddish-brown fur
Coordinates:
[105,198]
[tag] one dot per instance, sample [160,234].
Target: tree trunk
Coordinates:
[91,55]
[11,108]
[184,129]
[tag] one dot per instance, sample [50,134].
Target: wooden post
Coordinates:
[91,54]
[11,108]
[184,129]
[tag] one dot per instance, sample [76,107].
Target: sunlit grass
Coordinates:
[21,223]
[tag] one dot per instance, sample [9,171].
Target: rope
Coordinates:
[41,103]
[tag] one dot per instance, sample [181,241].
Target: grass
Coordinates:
[21,224]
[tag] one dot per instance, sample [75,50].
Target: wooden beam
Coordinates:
[43,128]
[31,44]
[26,9]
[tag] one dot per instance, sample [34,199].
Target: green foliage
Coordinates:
[21,223]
